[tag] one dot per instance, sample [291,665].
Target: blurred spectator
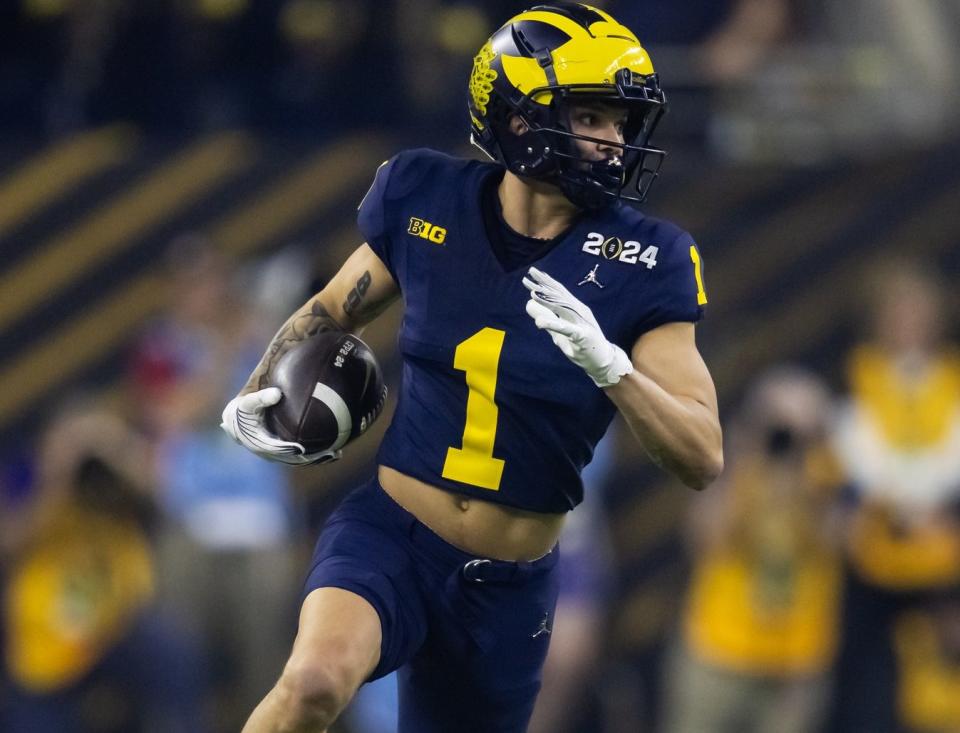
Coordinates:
[228,555]
[927,644]
[742,43]
[181,364]
[699,47]
[85,649]
[913,43]
[763,609]
[824,88]
[728,38]
[899,441]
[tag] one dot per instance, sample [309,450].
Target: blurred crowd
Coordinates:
[150,567]
[795,80]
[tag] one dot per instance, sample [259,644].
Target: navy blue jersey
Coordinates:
[489,406]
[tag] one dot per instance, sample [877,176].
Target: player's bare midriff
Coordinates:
[479,527]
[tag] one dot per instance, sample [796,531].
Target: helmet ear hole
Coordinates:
[529,153]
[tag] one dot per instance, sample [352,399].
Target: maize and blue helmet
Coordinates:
[538,64]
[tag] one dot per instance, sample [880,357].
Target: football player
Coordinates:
[537,303]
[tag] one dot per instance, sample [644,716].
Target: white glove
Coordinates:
[574,330]
[242,420]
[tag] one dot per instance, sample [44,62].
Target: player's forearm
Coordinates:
[360,291]
[681,435]
[312,318]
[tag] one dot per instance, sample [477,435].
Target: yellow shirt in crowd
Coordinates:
[72,595]
[770,605]
[902,538]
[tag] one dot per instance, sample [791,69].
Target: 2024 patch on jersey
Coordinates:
[489,406]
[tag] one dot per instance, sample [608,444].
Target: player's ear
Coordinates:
[517,125]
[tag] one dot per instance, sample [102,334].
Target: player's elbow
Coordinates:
[698,473]
[707,470]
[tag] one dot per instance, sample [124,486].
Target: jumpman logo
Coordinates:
[592,277]
[544,629]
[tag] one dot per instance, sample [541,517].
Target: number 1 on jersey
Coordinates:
[474,464]
[698,274]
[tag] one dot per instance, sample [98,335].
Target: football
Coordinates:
[332,389]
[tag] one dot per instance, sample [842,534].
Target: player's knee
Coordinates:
[316,692]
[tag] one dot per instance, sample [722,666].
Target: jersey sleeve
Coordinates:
[373,215]
[677,293]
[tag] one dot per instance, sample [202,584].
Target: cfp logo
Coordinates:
[614,248]
[426,230]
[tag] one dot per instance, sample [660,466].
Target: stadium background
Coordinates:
[808,141]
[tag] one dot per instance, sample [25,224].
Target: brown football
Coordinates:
[332,389]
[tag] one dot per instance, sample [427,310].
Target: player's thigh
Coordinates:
[437,698]
[338,639]
[480,670]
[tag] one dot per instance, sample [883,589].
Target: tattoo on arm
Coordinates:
[355,297]
[295,330]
